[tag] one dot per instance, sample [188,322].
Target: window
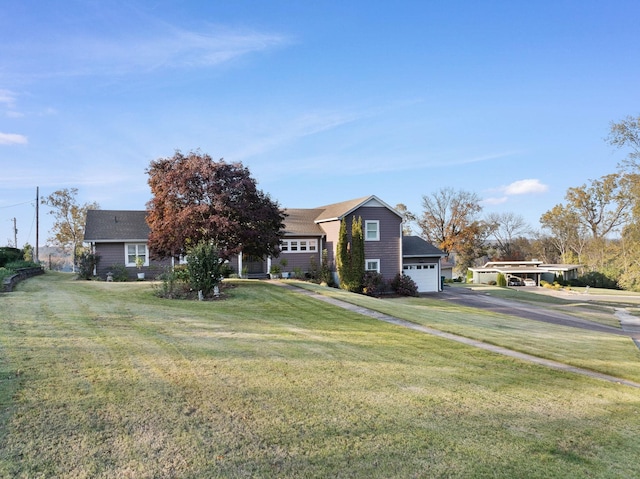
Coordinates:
[372,265]
[299,246]
[372,230]
[133,250]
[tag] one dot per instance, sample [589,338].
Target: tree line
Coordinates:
[598,225]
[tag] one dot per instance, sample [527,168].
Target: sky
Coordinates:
[323,101]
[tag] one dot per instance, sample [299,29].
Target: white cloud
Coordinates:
[520,187]
[524,187]
[12,139]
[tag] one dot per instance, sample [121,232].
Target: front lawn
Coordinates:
[105,380]
[605,353]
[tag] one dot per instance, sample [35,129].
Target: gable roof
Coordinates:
[337,211]
[414,246]
[116,226]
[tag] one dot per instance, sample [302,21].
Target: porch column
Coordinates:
[240,264]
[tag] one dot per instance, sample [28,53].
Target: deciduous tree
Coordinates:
[450,222]
[506,228]
[448,217]
[408,218]
[196,199]
[565,229]
[70,218]
[603,205]
[626,134]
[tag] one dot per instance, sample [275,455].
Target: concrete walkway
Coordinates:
[629,323]
[460,339]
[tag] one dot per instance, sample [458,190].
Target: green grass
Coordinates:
[609,354]
[104,380]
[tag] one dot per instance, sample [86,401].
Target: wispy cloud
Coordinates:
[12,139]
[495,201]
[150,50]
[289,131]
[22,178]
[8,98]
[480,158]
[8,103]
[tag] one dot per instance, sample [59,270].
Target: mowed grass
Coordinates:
[605,353]
[104,380]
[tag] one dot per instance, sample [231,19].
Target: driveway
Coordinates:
[478,299]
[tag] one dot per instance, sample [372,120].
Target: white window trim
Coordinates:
[367,261]
[310,242]
[366,230]
[126,254]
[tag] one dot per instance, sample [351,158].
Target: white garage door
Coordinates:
[424,275]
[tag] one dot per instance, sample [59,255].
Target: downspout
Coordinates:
[93,251]
[401,259]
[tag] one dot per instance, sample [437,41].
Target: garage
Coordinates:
[421,262]
[426,276]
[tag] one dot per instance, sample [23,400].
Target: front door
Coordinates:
[255,266]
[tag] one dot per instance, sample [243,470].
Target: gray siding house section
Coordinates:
[308,231]
[110,234]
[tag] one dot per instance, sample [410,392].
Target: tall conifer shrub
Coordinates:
[350,256]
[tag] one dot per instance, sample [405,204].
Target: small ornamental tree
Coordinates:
[70,219]
[205,268]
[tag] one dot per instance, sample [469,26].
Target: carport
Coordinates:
[524,270]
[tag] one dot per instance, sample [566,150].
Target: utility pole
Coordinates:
[35,257]
[15,233]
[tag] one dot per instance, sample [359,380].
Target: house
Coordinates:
[524,270]
[118,236]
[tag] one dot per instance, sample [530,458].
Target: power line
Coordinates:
[17,204]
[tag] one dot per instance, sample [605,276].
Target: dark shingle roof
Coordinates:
[116,225]
[122,225]
[416,246]
[300,222]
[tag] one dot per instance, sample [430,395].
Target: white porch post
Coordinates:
[240,264]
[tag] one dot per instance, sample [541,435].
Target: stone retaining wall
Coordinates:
[21,274]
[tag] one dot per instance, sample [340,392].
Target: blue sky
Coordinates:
[322,101]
